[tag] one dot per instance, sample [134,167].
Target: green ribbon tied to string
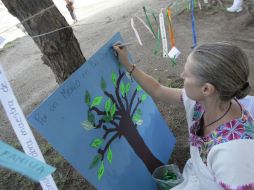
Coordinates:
[158,39]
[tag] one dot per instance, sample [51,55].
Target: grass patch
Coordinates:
[174,83]
[9,45]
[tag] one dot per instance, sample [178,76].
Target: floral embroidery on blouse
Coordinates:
[242,187]
[242,128]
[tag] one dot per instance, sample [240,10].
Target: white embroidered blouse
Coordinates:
[224,159]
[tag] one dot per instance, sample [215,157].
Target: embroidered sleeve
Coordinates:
[188,105]
[232,164]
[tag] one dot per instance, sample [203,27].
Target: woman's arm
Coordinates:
[148,83]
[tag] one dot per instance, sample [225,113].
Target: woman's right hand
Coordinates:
[122,55]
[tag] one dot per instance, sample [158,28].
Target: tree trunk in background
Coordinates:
[61,50]
[250,8]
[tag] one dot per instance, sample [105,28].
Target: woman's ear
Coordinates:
[208,89]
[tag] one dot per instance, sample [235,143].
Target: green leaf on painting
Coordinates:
[90,117]
[136,117]
[95,161]
[113,110]
[109,155]
[101,171]
[120,65]
[107,118]
[139,88]
[113,77]
[139,122]
[96,101]
[143,98]
[127,87]
[122,89]
[108,105]
[96,143]
[139,112]
[87,98]
[103,84]
[88,125]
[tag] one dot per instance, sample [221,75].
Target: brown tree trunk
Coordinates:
[131,134]
[250,9]
[61,50]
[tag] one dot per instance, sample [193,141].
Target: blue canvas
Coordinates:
[105,125]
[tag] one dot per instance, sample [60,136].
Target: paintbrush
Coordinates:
[125,44]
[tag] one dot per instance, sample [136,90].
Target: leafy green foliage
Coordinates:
[113,110]
[103,84]
[122,89]
[96,101]
[113,77]
[97,142]
[139,112]
[101,170]
[139,88]
[108,105]
[87,98]
[88,125]
[91,117]
[109,155]
[95,161]
[127,87]
[136,117]
[139,122]
[143,97]
[107,118]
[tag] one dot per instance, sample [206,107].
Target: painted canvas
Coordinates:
[105,125]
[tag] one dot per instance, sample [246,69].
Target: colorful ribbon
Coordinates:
[193,25]
[143,22]
[163,34]
[148,20]
[158,43]
[136,32]
[16,160]
[170,28]
[21,127]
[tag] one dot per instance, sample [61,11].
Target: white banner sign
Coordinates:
[163,35]
[21,127]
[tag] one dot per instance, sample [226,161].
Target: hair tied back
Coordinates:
[245,86]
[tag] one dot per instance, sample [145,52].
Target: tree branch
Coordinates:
[100,123]
[132,99]
[110,130]
[117,89]
[112,99]
[126,100]
[99,112]
[135,108]
[114,123]
[102,152]
[118,118]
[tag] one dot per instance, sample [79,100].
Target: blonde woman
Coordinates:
[221,130]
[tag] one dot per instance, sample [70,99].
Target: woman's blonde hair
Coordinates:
[223,65]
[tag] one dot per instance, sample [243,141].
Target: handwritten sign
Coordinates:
[20,126]
[105,125]
[26,165]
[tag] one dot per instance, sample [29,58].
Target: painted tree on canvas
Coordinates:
[119,117]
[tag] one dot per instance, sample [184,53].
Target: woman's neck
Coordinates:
[214,109]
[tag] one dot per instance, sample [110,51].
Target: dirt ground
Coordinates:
[32,81]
